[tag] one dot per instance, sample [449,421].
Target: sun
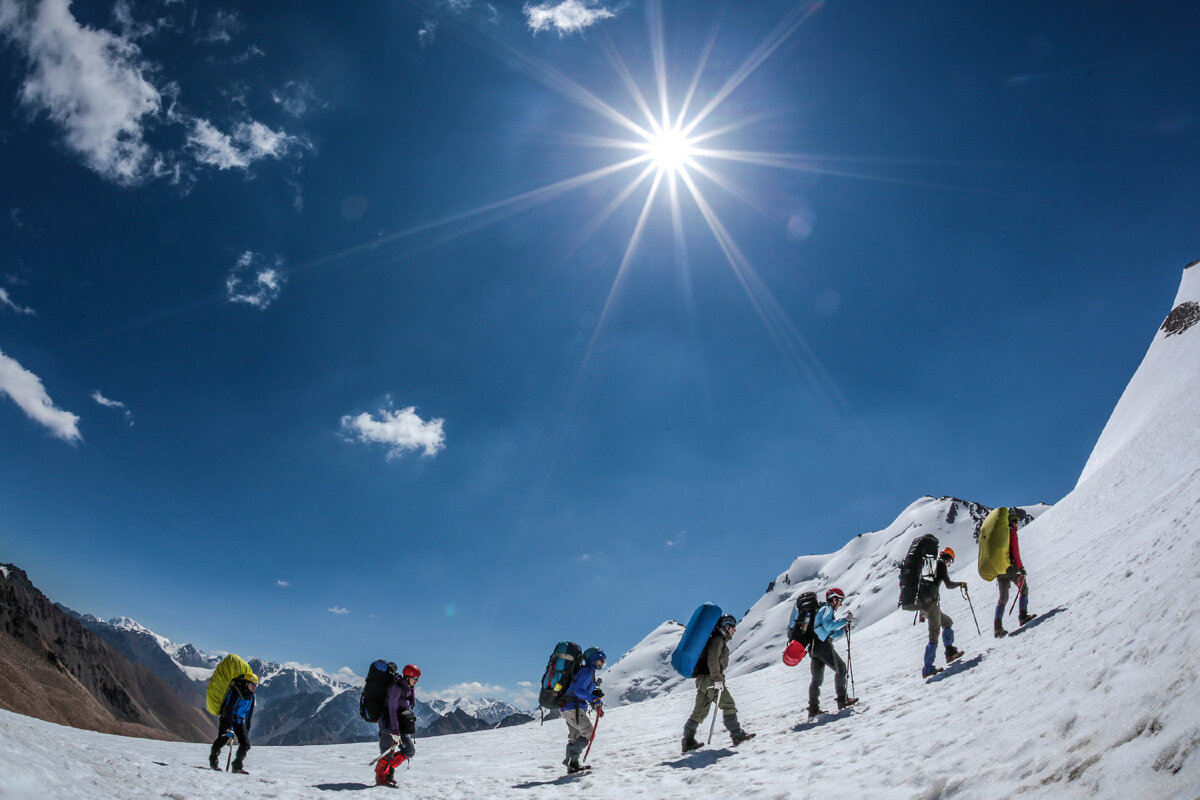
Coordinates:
[669,150]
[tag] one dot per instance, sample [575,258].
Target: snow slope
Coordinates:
[1098,697]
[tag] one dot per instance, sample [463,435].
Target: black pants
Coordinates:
[820,656]
[243,737]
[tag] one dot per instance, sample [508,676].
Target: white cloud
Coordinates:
[250,141]
[97,87]
[283,584]
[115,404]
[403,430]
[14,216]
[296,97]
[27,392]
[426,34]
[224,25]
[339,610]
[569,16]
[89,82]
[678,540]
[7,301]
[255,280]
[469,689]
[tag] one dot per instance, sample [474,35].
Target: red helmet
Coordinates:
[412,671]
[947,553]
[834,592]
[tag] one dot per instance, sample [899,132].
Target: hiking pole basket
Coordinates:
[967,595]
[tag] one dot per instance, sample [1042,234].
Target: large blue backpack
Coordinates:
[687,653]
[560,671]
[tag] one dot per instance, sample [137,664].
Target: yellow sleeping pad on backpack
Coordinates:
[232,666]
[993,544]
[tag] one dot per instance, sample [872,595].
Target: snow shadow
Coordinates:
[962,665]
[822,720]
[699,759]
[1038,620]
[562,780]
[340,787]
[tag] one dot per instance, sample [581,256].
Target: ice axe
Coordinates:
[229,744]
[388,754]
[1020,588]
[967,595]
[592,738]
[716,711]
[849,660]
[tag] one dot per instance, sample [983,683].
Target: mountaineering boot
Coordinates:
[929,672]
[816,712]
[953,654]
[239,769]
[735,729]
[1023,617]
[690,744]
[212,762]
[846,702]
[998,630]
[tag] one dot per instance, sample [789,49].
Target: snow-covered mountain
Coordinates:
[866,568]
[1098,697]
[482,708]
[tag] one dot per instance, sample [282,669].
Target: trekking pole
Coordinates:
[592,738]
[850,661]
[967,595]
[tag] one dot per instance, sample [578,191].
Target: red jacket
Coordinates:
[1014,550]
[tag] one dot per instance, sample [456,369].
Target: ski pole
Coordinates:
[967,595]
[593,736]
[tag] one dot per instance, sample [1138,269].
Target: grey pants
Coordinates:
[579,732]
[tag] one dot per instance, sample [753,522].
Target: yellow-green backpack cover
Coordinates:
[232,666]
[993,544]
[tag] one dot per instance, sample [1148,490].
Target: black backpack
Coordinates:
[560,671]
[806,611]
[373,701]
[916,586]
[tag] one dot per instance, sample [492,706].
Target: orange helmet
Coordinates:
[947,553]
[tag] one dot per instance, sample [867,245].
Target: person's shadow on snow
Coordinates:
[960,666]
[1038,620]
[340,787]
[559,781]
[822,720]
[698,759]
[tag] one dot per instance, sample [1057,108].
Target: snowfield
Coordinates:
[1097,697]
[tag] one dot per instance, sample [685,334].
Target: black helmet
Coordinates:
[727,621]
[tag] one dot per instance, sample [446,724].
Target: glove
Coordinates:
[597,693]
[719,686]
[850,616]
[1021,572]
[599,711]
[396,738]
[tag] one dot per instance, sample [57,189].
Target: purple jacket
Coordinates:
[400,696]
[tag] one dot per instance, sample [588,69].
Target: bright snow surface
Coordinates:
[1098,697]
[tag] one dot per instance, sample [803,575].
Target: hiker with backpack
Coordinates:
[582,694]
[1015,573]
[234,720]
[710,687]
[931,611]
[397,723]
[826,628]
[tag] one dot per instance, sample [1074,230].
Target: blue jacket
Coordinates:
[826,626]
[238,705]
[582,691]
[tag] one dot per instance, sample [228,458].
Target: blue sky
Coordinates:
[332,334]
